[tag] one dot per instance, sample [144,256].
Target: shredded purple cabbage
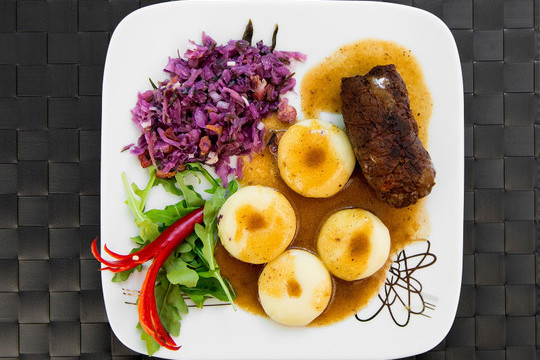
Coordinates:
[212,105]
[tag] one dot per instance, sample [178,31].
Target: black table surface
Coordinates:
[51,62]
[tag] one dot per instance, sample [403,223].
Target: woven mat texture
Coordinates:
[51,62]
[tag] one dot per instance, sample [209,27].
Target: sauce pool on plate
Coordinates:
[320,92]
[321,85]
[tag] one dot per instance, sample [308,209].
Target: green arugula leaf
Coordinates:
[196,263]
[213,205]
[162,284]
[171,305]
[206,287]
[176,299]
[133,203]
[232,187]
[192,198]
[188,257]
[169,185]
[196,169]
[168,314]
[206,273]
[174,306]
[208,236]
[208,232]
[207,239]
[196,246]
[178,272]
[198,298]
[170,318]
[143,194]
[184,247]
[170,214]
[138,240]
[122,276]
[149,229]
[151,345]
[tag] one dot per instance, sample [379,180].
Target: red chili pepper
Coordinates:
[160,249]
[126,262]
[147,307]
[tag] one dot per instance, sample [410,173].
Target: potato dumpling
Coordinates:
[353,244]
[315,158]
[295,288]
[256,224]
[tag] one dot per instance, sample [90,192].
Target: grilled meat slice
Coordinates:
[384,135]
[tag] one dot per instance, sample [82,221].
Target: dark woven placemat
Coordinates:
[51,62]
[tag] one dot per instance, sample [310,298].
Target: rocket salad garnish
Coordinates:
[180,240]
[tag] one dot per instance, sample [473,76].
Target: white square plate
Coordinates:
[139,49]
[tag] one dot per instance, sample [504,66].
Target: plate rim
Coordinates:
[459,189]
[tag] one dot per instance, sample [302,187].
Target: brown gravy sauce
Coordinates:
[321,85]
[320,91]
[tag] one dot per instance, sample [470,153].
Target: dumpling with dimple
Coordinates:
[315,158]
[353,244]
[256,224]
[295,288]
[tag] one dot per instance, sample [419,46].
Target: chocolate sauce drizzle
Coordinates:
[403,292]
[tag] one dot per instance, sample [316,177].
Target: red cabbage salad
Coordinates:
[210,107]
